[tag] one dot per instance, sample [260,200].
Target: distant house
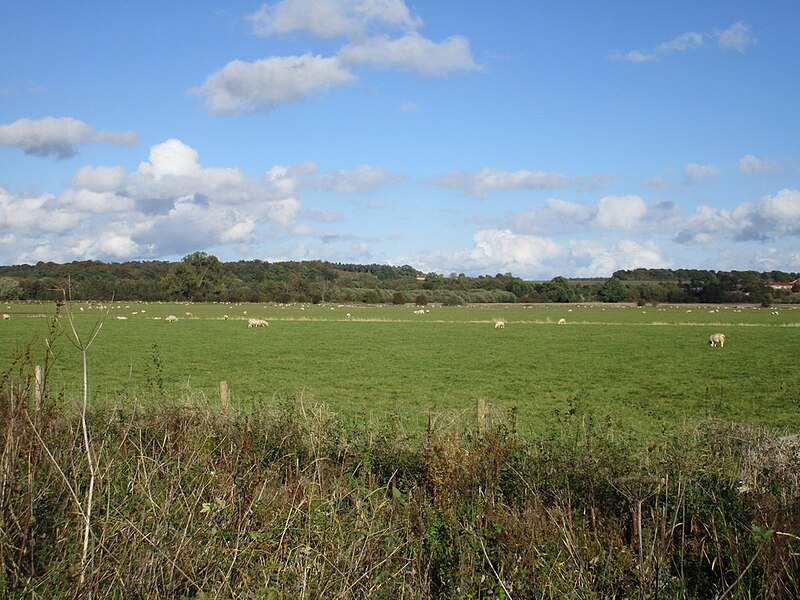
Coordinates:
[420,277]
[784,286]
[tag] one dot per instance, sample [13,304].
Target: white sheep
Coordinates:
[172,319]
[121,318]
[6,317]
[257,323]
[500,325]
[421,311]
[562,321]
[717,338]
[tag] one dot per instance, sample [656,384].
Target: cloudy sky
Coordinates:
[541,138]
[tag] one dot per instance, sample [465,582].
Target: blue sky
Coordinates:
[475,136]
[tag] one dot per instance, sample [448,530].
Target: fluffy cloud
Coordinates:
[504,250]
[770,217]
[362,179]
[412,52]
[331,18]
[99,179]
[555,215]
[782,210]
[537,257]
[737,37]
[487,180]
[751,165]
[251,87]
[622,212]
[170,205]
[694,173]
[59,137]
[380,33]
[593,259]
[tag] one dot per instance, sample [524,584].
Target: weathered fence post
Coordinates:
[223,395]
[38,387]
[481,416]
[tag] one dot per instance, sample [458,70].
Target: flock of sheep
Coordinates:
[714,340]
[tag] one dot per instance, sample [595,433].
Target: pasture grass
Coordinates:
[286,499]
[646,370]
[616,456]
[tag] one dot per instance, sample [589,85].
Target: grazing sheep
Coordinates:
[421,311]
[257,323]
[347,316]
[6,317]
[121,318]
[562,321]
[172,319]
[500,325]
[717,338]
[226,317]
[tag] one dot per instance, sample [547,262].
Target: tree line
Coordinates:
[201,277]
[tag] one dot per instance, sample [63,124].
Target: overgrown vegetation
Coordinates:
[290,500]
[200,277]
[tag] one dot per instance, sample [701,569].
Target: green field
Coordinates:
[642,369]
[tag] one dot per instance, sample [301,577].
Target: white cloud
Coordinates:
[783,210]
[622,212]
[331,18]
[751,165]
[555,216]
[505,250]
[107,244]
[370,30]
[690,238]
[239,232]
[770,217]
[362,179]
[737,37]
[596,260]
[487,180]
[412,52]
[99,179]
[171,157]
[59,137]
[694,173]
[171,204]
[635,57]
[259,86]
[88,201]
[686,41]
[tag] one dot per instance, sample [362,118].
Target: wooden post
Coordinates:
[223,395]
[38,387]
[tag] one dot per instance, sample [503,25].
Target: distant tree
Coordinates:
[370,297]
[421,300]
[558,290]
[613,290]
[197,278]
[9,288]
[398,298]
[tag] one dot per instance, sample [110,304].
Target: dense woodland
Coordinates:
[201,277]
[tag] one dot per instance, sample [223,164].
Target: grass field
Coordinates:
[643,369]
